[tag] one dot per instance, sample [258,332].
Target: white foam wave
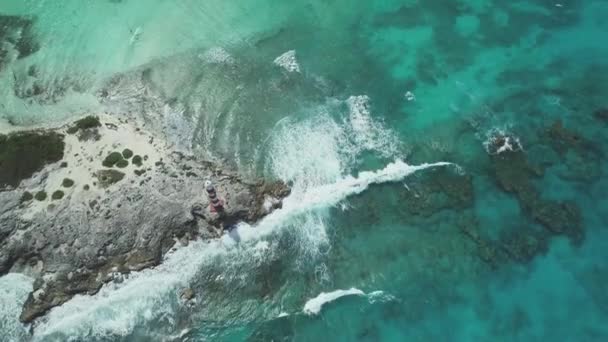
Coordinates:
[313,306]
[14,289]
[288,61]
[367,133]
[217,55]
[146,295]
[329,195]
[314,155]
[500,140]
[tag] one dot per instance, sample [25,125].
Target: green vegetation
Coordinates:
[139,172]
[84,123]
[112,159]
[86,187]
[57,195]
[122,163]
[137,160]
[24,153]
[26,197]
[109,177]
[40,196]
[126,153]
[67,183]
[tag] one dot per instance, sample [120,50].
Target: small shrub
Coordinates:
[84,123]
[57,195]
[112,159]
[67,183]
[122,163]
[137,160]
[126,153]
[40,196]
[26,197]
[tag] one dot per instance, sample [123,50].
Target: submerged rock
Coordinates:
[16,38]
[514,174]
[437,190]
[124,222]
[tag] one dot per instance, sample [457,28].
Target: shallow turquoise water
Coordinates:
[470,67]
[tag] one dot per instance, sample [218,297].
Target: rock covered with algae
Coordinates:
[102,219]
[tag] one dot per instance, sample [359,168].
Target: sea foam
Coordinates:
[313,306]
[288,61]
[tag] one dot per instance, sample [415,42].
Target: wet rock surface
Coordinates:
[110,221]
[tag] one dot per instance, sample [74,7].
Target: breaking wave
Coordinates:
[315,155]
[313,306]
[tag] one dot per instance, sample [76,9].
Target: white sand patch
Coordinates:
[84,159]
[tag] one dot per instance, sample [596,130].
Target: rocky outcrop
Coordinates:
[111,219]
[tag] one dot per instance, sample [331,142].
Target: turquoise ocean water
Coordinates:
[508,246]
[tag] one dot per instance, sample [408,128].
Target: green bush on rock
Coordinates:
[57,195]
[126,153]
[122,163]
[67,183]
[40,196]
[26,197]
[137,160]
[84,123]
[112,159]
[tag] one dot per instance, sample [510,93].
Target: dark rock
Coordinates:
[514,174]
[436,190]
[562,139]
[16,34]
[601,114]
[187,294]
[523,246]
[24,153]
[64,164]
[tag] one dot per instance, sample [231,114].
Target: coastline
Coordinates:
[99,220]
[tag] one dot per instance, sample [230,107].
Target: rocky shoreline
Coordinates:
[88,203]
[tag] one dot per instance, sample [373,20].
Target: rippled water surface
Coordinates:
[341,98]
